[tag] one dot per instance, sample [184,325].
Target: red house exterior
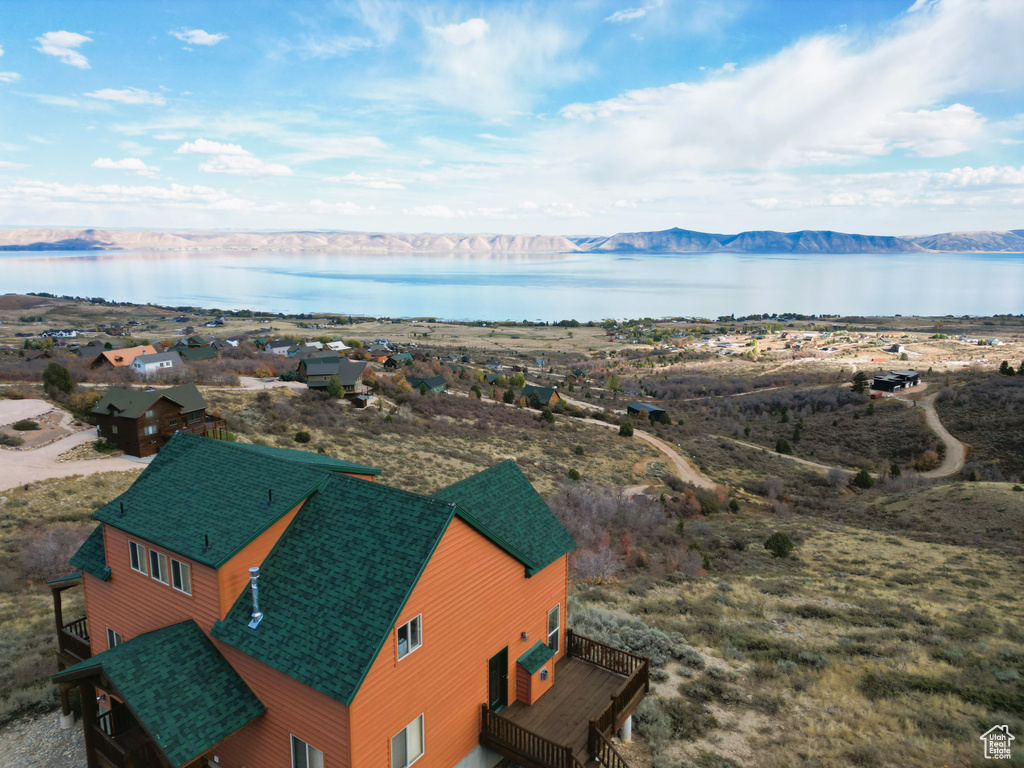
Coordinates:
[385,628]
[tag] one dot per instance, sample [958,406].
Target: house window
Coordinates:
[113,638]
[149,414]
[181,576]
[407,746]
[149,430]
[410,636]
[137,556]
[554,624]
[173,422]
[113,429]
[158,566]
[305,755]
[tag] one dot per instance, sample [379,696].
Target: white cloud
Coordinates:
[231,158]
[66,196]
[9,166]
[127,164]
[332,47]
[825,99]
[625,203]
[206,147]
[494,67]
[988,178]
[632,14]
[128,96]
[327,147]
[6,78]
[370,181]
[168,136]
[1,50]
[433,211]
[197,36]
[62,45]
[344,209]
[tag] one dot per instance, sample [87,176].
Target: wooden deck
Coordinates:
[580,691]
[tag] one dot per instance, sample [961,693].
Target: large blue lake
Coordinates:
[584,286]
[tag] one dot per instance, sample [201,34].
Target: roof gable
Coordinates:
[182,499]
[544,394]
[132,403]
[502,503]
[91,557]
[178,686]
[119,357]
[351,556]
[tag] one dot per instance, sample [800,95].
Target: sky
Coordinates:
[580,118]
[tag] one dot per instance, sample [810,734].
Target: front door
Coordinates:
[497,681]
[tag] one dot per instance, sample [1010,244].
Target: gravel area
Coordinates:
[38,742]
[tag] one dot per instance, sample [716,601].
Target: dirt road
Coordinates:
[23,467]
[16,410]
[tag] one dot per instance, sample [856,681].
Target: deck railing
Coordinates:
[504,736]
[196,428]
[601,655]
[108,748]
[73,638]
[602,750]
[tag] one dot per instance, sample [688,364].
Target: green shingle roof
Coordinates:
[544,394]
[536,657]
[91,558]
[194,354]
[503,503]
[197,488]
[132,403]
[311,459]
[333,586]
[178,686]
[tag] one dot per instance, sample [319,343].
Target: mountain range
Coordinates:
[665,241]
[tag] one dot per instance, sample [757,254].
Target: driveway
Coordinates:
[23,467]
[16,410]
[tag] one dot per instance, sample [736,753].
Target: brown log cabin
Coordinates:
[281,609]
[140,422]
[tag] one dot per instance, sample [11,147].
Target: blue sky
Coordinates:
[586,117]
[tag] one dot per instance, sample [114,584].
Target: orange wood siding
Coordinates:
[529,687]
[292,709]
[523,685]
[233,576]
[132,603]
[475,600]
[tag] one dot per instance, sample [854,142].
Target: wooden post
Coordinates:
[58,614]
[568,643]
[87,693]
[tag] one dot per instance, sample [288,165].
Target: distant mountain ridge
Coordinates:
[673,240]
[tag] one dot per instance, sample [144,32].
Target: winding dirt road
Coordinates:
[23,467]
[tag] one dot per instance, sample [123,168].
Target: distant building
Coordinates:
[654,413]
[162,362]
[894,381]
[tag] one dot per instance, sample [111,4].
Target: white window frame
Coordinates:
[114,639]
[418,721]
[139,552]
[149,414]
[295,740]
[149,429]
[416,620]
[158,567]
[557,631]
[113,429]
[183,576]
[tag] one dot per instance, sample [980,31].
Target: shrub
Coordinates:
[782,446]
[25,425]
[290,375]
[10,441]
[631,634]
[578,450]
[573,474]
[303,436]
[103,446]
[779,544]
[626,430]
[862,479]
[509,396]
[547,415]
[57,378]
[335,388]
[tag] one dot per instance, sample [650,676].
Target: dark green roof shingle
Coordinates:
[509,510]
[308,458]
[333,586]
[132,403]
[179,687]
[198,487]
[91,558]
[536,657]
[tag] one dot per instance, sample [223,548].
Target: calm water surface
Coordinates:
[583,286]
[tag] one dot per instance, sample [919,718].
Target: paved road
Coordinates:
[22,467]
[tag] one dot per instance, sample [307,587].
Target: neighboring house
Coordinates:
[59,333]
[139,422]
[119,358]
[396,361]
[192,341]
[37,354]
[312,353]
[491,378]
[337,345]
[259,607]
[195,354]
[221,344]
[654,413]
[433,384]
[993,342]
[278,347]
[578,376]
[545,395]
[318,372]
[161,362]
[893,381]
[896,349]
[494,365]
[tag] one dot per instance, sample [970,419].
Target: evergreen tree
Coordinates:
[57,378]
[860,381]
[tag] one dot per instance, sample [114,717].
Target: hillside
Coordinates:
[673,240]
